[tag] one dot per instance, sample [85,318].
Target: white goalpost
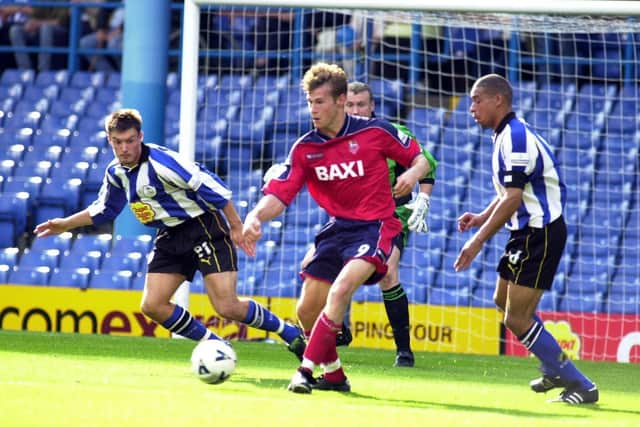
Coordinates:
[574,67]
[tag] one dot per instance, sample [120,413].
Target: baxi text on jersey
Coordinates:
[339,171]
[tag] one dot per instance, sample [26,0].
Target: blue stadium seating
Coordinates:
[13,218]
[12,75]
[120,280]
[458,296]
[9,256]
[367,293]
[30,276]
[4,273]
[73,278]
[129,261]
[62,242]
[127,244]
[138,282]
[78,259]
[48,257]
[86,242]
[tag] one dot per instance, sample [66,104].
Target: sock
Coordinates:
[545,347]
[321,347]
[184,324]
[261,318]
[333,371]
[546,370]
[396,304]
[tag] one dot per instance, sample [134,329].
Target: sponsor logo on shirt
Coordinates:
[149,191]
[314,156]
[339,171]
[353,147]
[143,212]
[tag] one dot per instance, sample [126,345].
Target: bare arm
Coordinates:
[267,208]
[408,179]
[504,208]
[60,225]
[235,228]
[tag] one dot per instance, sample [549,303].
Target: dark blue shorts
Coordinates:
[340,241]
[200,243]
[532,255]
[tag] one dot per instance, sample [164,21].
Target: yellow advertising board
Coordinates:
[114,312]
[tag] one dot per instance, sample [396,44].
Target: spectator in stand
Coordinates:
[9,15]
[44,27]
[108,32]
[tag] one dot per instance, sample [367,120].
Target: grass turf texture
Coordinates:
[90,380]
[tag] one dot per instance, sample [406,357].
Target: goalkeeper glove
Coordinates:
[418,220]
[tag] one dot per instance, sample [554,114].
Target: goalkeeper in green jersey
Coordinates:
[412,213]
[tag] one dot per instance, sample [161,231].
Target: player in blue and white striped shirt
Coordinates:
[530,202]
[186,203]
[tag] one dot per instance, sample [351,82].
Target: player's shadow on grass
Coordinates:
[278,383]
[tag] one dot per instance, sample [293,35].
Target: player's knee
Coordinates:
[151,310]
[231,309]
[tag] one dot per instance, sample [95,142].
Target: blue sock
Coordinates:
[546,370]
[261,318]
[545,347]
[184,324]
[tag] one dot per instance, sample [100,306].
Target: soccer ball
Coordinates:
[213,361]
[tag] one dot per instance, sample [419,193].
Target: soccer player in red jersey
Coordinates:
[343,162]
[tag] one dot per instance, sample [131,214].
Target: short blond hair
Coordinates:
[122,120]
[323,73]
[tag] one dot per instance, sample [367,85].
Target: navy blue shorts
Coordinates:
[341,240]
[200,243]
[532,255]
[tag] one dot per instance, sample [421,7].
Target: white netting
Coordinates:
[574,78]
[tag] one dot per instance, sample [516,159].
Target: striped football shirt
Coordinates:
[523,159]
[162,190]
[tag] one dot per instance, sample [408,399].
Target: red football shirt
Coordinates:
[347,175]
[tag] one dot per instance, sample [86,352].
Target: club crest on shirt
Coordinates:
[143,212]
[353,147]
[149,191]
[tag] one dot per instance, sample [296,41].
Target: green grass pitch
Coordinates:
[92,381]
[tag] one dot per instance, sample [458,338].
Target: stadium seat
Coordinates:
[48,257]
[47,138]
[4,273]
[32,165]
[78,259]
[127,244]
[36,93]
[13,217]
[30,276]
[84,79]
[12,75]
[482,297]
[52,77]
[9,256]
[13,90]
[137,282]
[73,278]
[129,261]
[450,297]
[580,302]
[6,167]
[120,280]
[423,116]
[87,242]
[62,242]
[367,293]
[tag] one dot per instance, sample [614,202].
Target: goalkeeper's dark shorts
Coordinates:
[532,255]
[200,243]
[341,240]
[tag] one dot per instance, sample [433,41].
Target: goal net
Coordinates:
[575,80]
